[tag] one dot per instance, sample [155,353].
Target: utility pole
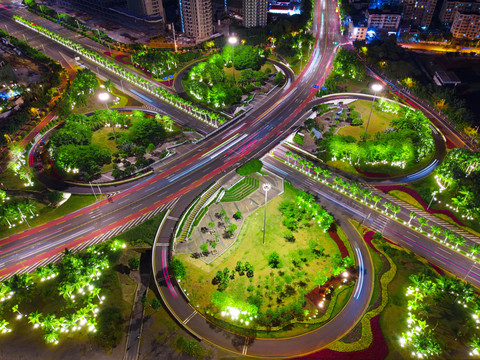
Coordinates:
[266,187]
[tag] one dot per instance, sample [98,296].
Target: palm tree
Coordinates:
[396,209]
[474,249]
[366,193]
[413,215]
[4,326]
[435,230]
[376,199]
[309,166]
[34,318]
[326,173]
[422,222]
[449,234]
[318,170]
[288,155]
[355,188]
[387,206]
[337,181]
[459,240]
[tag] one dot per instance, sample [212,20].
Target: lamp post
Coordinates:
[232,40]
[376,88]
[104,97]
[266,187]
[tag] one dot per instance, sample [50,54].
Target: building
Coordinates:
[447,13]
[357,31]
[255,13]
[466,25]
[196,19]
[383,20]
[147,8]
[126,12]
[418,12]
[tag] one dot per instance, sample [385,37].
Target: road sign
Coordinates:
[323,88]
[315,86]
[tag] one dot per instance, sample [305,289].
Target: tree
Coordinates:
[376,199]
[177,269]
[279,79]
[435,230]
[413,215]
[474,249]
[366,193]
[422,222]
[237,215]
[204,248]
[396,209]
[274,260]
[146,131]
[134,263]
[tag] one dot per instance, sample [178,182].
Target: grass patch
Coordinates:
[242,189]
[143,233]
[250,167]
[379,121]
[179,230]
[298,139]
[268,284]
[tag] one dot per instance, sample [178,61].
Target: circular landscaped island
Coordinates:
[292,280]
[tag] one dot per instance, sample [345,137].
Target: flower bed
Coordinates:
[416,196]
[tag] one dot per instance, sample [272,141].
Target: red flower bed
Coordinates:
[341,246]
[416,196]
[373,174]
[376,351]
[368,239]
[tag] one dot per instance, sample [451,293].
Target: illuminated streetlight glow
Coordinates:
[376,88]
[232,40]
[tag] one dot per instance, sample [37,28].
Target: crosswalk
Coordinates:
[96,240]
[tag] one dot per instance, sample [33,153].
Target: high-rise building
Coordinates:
[148,8]
[196,19]
[466,25]
[447,13]
[383,19]
[255,13]
[418,12]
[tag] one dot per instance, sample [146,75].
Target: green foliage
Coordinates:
[409,142]
[348,65]
[72,133]
[110,325]
[298,139]
[134,263]
[250,167]
[189,347]
[274,260]
[241,190]
[279,79]
[88,159]
[246,57]
[177,269]
[156,304]
[146,131]
[204,248]
[54,197]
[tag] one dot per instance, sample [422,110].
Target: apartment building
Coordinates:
[196,19]
[255,13]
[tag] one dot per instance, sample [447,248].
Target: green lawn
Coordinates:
[143,233]
[242,189]
[267,283]
[378,122]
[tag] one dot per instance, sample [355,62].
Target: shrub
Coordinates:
[250,167]
[274,260]
[134,263]
[177,269]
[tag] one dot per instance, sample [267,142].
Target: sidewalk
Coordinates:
[246,206]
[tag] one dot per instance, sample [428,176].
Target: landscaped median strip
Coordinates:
[341,186]
[206,116]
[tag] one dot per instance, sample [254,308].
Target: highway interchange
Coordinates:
[174,187]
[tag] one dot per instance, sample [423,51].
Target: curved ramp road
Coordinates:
[257,132]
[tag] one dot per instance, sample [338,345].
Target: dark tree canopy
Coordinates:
[146,131]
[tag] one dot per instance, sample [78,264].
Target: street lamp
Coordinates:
[266,187]
[232,40]
[104,97]
[376,88]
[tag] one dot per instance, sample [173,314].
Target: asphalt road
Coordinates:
[256,133]
[439,254]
